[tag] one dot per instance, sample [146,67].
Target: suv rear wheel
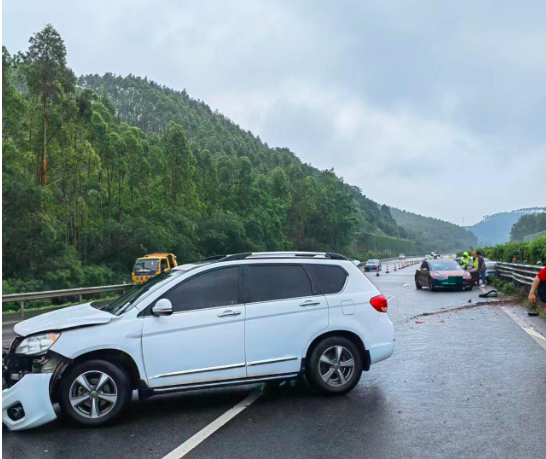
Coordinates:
[95,392]
[335,366]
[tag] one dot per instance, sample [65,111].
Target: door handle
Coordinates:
[309,303]
[229,313]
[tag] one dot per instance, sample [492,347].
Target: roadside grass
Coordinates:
[518,292]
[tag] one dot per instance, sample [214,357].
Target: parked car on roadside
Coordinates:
[490,269]
[436,274]
[372,265]
[243,319]
[401,256]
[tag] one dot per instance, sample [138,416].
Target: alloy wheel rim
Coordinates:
[93,394]
[336,366]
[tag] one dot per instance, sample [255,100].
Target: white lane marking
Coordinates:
[207,431]
[406,284]
[530,330]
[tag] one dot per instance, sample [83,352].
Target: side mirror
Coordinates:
[162,308]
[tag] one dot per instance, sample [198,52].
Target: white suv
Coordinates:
[241,319]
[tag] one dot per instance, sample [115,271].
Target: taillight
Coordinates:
[379,303]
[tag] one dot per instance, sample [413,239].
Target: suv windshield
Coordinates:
[445,265]
[146,265]
[130,299]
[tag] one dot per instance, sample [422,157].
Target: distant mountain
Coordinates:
[495,229]
[432,234]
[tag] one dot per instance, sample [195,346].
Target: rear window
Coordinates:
[277,282]
[331,279]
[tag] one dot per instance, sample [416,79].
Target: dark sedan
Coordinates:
[436,274]
[372,265]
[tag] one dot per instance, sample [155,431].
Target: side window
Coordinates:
[164,264]
[277,282]
[208,290]
[331,279]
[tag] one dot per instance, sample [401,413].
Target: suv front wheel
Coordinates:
[94,392]
[335,366]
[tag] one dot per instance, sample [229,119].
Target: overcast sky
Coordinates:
[434,107]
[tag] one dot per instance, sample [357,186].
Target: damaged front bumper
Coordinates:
[27,404]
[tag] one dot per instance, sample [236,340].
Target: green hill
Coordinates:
[529,227]
[432,234]
[100,170]
[495,229]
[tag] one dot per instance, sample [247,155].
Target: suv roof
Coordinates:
[262,255]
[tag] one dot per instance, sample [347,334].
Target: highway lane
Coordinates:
[462,383]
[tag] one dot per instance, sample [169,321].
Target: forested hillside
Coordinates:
[528,226]
[495,229]
[432,234]
[101,170]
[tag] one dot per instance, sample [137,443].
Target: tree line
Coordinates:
[102,169]
[433,234]
[528,225]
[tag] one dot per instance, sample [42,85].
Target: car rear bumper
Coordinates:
[32,394]
[381,341]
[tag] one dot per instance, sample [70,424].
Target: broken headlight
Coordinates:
[37,344]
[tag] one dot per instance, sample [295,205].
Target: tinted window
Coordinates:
[208,290]
[445,265]
[331,279]
[276,282]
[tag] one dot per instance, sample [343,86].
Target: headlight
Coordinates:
[37,344]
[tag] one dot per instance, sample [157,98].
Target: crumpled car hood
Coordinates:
[71,317]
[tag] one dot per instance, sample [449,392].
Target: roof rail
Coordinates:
[214,258]
[250,255]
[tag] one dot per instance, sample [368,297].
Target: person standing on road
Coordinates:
[481,267]
[465,259]
[539,281]
[475,259]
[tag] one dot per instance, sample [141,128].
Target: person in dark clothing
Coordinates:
[481,267]
[539,280]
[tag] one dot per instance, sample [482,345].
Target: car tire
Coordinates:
[324,371]
[418,286]
[82,402]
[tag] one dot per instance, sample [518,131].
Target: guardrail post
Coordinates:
[22,309]
[80,299]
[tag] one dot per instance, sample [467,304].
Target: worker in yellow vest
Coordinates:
[465,259]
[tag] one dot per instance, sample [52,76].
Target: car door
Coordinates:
[422,274]
[283,311]
[203,339]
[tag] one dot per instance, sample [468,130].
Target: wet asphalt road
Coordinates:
[467,383]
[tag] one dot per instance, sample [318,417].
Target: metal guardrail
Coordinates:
[22,298]
[524,274]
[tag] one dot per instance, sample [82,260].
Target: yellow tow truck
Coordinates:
[151,265]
